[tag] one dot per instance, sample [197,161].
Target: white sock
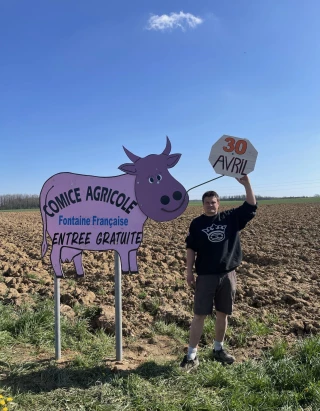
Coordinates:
[217,345]
[192,353]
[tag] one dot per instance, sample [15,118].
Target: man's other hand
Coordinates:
[190,279]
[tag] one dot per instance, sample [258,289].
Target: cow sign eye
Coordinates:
[159,177]
[151,180]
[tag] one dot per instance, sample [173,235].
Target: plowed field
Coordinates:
[278,281]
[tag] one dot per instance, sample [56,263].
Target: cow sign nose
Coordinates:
[177,195]
[165,200]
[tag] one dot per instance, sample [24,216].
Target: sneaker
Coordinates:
[223,356]
[188,365]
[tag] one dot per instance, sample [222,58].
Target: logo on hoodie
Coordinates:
[215,233]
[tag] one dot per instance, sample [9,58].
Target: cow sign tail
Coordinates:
[44,247]
[43,203]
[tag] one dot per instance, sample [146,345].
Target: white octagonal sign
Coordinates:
[233,156]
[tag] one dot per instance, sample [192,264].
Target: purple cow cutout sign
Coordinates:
[82,212]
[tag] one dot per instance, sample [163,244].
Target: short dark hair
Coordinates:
[210,194]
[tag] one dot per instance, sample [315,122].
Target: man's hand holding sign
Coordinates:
[250,197]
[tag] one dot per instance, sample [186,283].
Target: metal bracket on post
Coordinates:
[118,306]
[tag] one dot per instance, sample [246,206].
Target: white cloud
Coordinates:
[174,20]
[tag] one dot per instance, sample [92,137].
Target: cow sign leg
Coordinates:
[78,264]
[56,261]
[69,254]
[133,262]
[124,261]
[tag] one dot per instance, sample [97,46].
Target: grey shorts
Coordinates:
[215,289]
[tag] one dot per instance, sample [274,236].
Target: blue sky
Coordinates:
[80,79]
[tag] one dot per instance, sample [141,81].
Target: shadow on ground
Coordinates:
[54,377]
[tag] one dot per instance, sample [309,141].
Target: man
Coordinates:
[213,244]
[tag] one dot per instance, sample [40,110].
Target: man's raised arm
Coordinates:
[250,197]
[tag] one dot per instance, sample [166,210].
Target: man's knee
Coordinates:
[221,315]
[199,318]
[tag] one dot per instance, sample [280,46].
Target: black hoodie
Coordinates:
[216,239]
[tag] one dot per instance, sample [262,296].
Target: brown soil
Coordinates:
[279,278]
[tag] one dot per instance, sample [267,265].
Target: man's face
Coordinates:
[210,206]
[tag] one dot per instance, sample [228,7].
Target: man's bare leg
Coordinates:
[221,327]
[196,330]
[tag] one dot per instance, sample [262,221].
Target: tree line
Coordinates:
[19,201]
[31,201]
[258,197]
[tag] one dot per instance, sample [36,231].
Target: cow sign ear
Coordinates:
[172,160]
[128,168]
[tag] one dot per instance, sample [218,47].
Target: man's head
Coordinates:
[211,202]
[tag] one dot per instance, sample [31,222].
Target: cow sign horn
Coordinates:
[167,150]
[132,156]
